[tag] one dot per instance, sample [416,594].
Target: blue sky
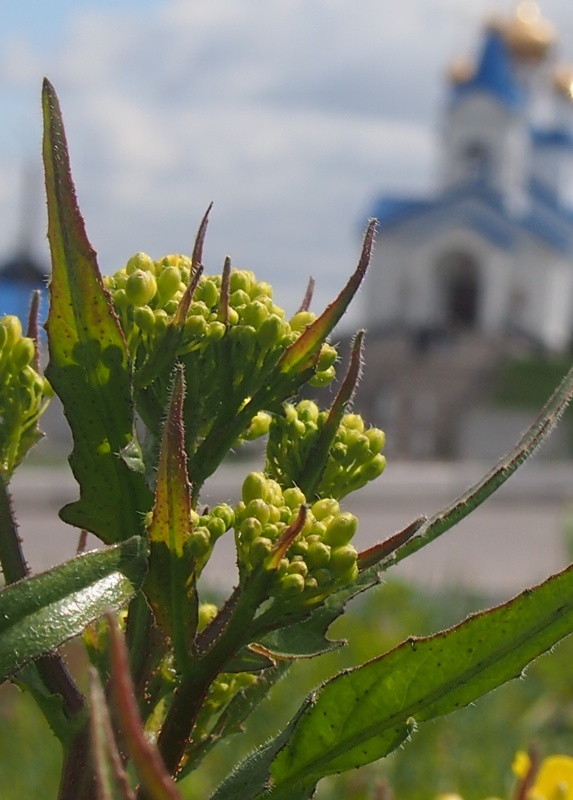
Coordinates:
[291,115]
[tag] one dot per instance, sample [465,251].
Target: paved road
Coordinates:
[515,539]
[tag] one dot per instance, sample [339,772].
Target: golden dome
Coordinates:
[528,35]
[563,81]
[460,70]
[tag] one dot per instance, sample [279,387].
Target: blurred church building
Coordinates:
[483,268]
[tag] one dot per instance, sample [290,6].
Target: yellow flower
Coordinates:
[521,765]
[554,781]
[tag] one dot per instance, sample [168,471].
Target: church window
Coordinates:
[458,279]
[477,160]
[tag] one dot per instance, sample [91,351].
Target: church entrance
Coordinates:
[458,279]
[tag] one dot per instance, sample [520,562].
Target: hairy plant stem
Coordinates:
[77,781]
[190,695]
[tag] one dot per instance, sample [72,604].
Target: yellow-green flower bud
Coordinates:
[255,313]
[376,440]
[297,567]
[199,542]
[259,550]
[254,487]
[323,378]
[353,422]
[294,498]
[372,469]
[144,318]
[240,280]
[216,331]
[224,512]
[271,332]
[358,445]
[161,321]
[259,509]
[120,299]
[300,320]
[341,530]
[259,426]
[327,358]
[216,527]
[141,287]
[196,327]
[292,584]
[326,507]
[317,555]
[23,352]
[250,529]
[239,298]
[307,411]
[271,531]
[13,328]
[207,292]
[263,289]
[342,560]
[168,282]
[140,261]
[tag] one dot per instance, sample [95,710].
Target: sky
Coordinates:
[292,116]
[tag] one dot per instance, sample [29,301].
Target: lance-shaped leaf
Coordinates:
[362,714]
[89,367]
[313,469]
[156,783]
[39,614]
[161,359]
[112,780]
[303,352]
[170,586]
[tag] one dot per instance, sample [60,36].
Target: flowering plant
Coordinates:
[162,369]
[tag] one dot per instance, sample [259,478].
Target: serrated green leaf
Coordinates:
[89,367]
[307,638]
[249,777]
[362,714]
[39,614]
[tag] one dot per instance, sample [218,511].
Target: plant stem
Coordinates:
[190,695]
[77,781]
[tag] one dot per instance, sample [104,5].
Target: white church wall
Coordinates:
[481,120]
[497,290]
[386,283]
[548,294]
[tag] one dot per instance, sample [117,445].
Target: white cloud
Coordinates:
[290,115]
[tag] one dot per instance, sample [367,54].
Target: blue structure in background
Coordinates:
[20,276]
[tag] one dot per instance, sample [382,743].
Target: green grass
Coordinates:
[469,752]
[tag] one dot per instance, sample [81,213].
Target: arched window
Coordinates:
[477,160]
[459,289]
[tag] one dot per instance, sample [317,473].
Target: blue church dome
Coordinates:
[494,74]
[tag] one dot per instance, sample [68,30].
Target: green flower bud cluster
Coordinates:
[354,458]
[227,353]
[319,560]
[207,528]
[24,394]
[223,689]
